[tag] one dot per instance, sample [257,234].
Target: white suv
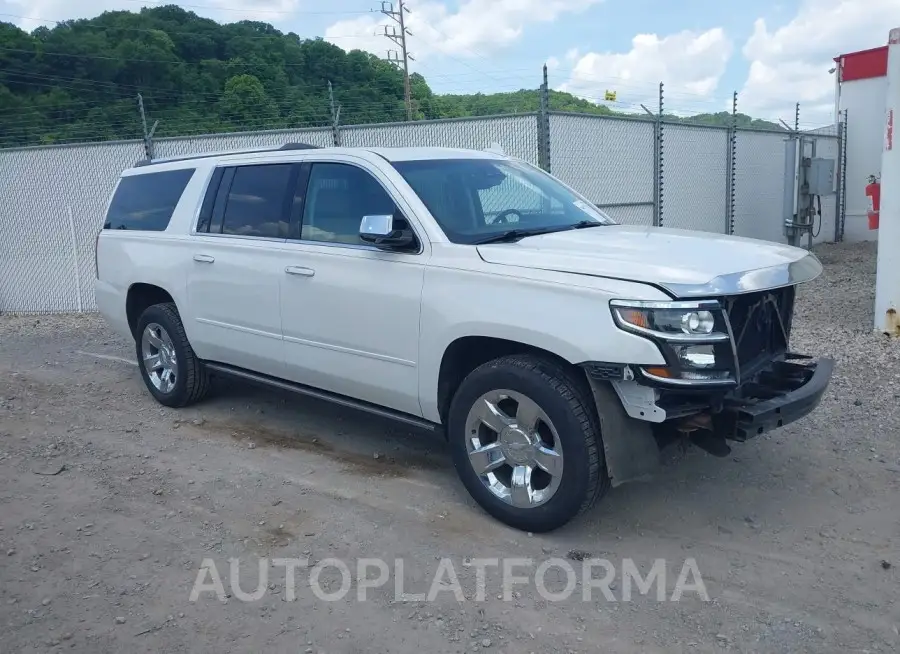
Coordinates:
[462,290]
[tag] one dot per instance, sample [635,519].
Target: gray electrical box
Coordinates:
[821,176]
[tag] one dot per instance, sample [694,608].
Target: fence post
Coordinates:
[840,201]
[730,167]
[335,118]
[658,200]
[75,266]
[544,125]
[148,136]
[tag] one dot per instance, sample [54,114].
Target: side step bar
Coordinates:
[334,398]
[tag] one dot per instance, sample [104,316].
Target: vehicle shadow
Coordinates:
[272,414]
[692,490]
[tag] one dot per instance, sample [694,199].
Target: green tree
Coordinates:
[245,104]
[79,80]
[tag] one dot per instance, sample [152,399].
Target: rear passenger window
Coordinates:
[258,201]
[146,202]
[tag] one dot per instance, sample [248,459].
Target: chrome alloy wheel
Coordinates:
[514,448]
[160,361]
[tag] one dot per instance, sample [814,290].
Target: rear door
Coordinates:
[236,269]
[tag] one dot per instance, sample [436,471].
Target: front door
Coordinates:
[350,312]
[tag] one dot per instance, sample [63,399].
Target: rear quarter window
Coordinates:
[146,202]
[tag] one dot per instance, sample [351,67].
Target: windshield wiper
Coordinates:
[512,235]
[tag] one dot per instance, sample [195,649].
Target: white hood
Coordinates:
[685,263]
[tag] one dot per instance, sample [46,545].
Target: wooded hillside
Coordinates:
[79,81]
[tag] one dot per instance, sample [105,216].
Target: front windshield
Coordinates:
[474,199]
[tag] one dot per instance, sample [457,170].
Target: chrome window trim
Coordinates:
[241,237]
[365,247]
[805,269]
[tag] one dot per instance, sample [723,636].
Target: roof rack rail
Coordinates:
[286,146]
[300,146]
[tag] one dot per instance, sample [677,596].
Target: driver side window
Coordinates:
[517,197]
[337,198]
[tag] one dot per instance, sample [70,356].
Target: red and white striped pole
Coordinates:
[887,281]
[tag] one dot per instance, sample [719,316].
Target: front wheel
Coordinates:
[525,442]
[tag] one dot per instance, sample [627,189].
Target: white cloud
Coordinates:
[475,27]
[689,63]
[791,63]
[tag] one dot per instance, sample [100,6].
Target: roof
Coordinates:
[420,153]
[289,151]
[863,64]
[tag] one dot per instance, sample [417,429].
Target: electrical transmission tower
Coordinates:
[401,59]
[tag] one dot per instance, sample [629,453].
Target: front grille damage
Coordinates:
[761,326]
[775,386]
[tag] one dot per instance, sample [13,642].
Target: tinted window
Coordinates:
[206,209]
[337,198]
[473,199]
[147,202]
[256,204]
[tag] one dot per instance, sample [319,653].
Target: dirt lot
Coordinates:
[796,535]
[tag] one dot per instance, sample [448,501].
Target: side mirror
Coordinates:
[386,232]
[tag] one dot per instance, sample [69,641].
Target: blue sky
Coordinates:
[773,52]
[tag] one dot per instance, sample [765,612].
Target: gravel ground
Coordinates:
[109,503]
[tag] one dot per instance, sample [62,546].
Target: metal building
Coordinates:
[861,89]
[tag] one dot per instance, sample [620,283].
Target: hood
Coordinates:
[685,263]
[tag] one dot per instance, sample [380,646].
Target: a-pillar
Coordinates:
[887,280]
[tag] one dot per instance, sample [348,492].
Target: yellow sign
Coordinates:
[610,96]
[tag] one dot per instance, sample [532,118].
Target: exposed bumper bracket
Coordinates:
[779,396]
[639,401]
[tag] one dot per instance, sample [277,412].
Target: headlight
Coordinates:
[692,336]
[674,321]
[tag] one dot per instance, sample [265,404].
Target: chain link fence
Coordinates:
[695,181]
[609,160]
[640,171]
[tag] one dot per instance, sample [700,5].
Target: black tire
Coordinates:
[192,379]
[569,406]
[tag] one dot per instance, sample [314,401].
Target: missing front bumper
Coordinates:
[786,392]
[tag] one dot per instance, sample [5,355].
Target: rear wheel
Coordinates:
[169,367]
[526,444]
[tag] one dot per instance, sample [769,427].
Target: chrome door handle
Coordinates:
[204,258]
[300,270]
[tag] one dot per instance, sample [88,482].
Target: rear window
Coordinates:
[147,202]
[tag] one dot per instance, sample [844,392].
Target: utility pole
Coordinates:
[401,60]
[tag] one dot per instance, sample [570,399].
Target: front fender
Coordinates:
[572,322]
